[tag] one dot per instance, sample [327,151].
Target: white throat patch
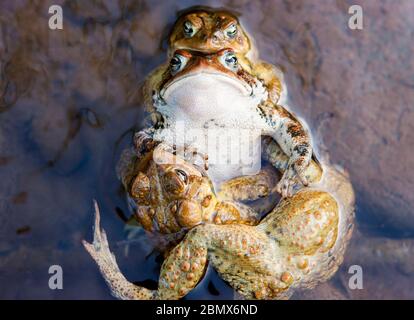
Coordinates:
[217,115]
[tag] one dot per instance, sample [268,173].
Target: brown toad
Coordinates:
[169,195]
[299,244]
[208,30]
[206,100]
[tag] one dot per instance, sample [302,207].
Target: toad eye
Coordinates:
[229,60]
[177,63]
[182,175]
[188,29]
[231,31]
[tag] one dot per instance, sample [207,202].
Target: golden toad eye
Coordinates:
[229,60]
[182,175]
[188,29]
[177,63]
[231,31]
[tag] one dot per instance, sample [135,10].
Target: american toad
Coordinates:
[169,195]
[299,244]
[207,100]
[209,31]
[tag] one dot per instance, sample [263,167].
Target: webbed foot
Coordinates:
[99,250]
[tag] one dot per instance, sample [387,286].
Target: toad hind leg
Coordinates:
[180,272]
[241,255]
[184,266]
[289,249]
[120,287]
[245,257]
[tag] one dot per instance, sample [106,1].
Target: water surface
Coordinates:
[70,100]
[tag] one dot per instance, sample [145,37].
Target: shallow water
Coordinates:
[70,101]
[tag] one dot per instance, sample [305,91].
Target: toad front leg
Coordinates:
[295,142]
[250,187]
[272,153]
[272,78]
[144,141]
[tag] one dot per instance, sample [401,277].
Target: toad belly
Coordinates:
[216,114]
[232,152]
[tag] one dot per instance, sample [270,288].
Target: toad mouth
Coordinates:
[243,88]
